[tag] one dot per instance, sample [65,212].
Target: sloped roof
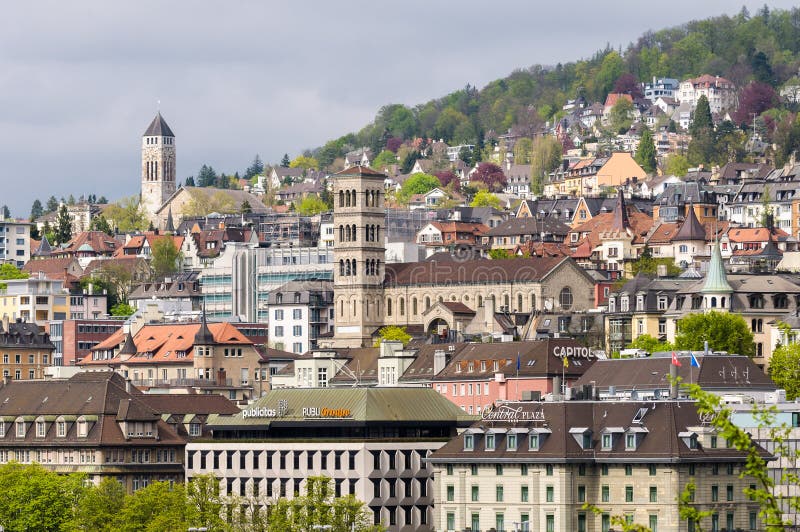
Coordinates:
[470,271]
[691,229]
[158,128]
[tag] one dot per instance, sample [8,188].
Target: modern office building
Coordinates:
[373,443]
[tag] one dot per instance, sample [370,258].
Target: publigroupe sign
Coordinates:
[307,412]
[561,351]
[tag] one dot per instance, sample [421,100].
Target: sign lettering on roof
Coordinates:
[310,412]
[561,351]
[507,413]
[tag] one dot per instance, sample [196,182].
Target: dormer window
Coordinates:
[469,442]
[533,442]
[607,442]
[41,429]
[630,442]
[689,439]
[583,436]
[511,442]
[194,429]
[2,429]
[490,442]
[83,429]
[612,304]
[20,428]
[61,429]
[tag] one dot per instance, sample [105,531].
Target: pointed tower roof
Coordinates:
[158,128]
[170,225]
[44,249]
[203,335]
[128,348]
[691,229]
[620,221]
[716,278]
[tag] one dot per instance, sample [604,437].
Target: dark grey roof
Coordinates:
[158,128]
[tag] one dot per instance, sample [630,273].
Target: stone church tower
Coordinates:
[158,166]
[359,220]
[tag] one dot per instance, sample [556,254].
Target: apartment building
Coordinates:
[299,313]
[15,241]
[26,349]
[38,299]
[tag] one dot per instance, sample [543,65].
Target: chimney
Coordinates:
[673,384]
[439,361]
[489,310]
[128,385]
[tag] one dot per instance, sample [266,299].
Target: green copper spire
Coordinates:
[716,279]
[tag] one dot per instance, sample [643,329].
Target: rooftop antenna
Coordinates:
[158,105]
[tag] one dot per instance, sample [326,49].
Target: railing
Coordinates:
[183,382]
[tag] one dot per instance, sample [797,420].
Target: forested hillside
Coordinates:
[763,47]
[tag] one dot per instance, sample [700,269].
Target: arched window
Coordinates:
[565,298]
[377,199]
[414,306]
[533,302]
[389,307]
[341,268]
[377,266]
[402,306]
[355,203]
[347,199]
[349,233]
[366,307]
[347,270]
[377,233]
[354,308]
[341,233]
[354,232]
[341,308]
[713,302]
[480,301]
[440,299]
[353,269]
[505,300]
[723,303]
[519,303]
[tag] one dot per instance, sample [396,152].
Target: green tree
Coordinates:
[255,168]
[9,271]
[484,198]
[676,164]
[36,210]
[204,504]
[285,161]
[646,152]
[99,223]
[545,157]
[650,344]
[306,163]
[701,147]
[318,508]
[648,265]
[204,202]
[393,333]
[97,506]
[166,257]
[384,159]
[724,331]
[500,254]
[311,205]
[620,117]
[523,151]
[784,369]
[63,225]
[154,508]
[52,204]
[206,177]
[126,215]
[122,309]
[418,183]
[37,499]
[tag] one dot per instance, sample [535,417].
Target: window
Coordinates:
[451,493]
[565,298]
[40,429]
[714,444]
[630,442]
[20,429]
[652,469]
[451,521]
[549,494]
[490,442]
[524,494]
[604,469]
[533,442]
[279,330]
[729,492]
[297,330]
[499,522]
[653,494]
[628,493]
[475,493]
[653,522]
[550,523]
[606,441]
[61,429]
[548,470]
[498,469]
[605,523]
[581,493]
[523,470]
[604,493]
[476,521]
[473,470]
[714,493]
[278,314]
[498,491]
[469,442]
[511,442]
[297,314]
[628,470]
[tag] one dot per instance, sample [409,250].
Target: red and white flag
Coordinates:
[675,361]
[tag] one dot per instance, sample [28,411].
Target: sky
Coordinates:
[80,81]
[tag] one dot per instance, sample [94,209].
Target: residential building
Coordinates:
[372,442]
[178,293]
[26,349]
[720,93]
[660,88]
[300,312]
[37,299]
[15,241]
[511,233]
[452,236]
[534,466]
[73,339]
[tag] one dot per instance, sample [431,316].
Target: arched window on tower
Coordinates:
[377,233]
[341,233]
[519,303]
[349,233]
[427,302]
[341,268]
[402,306]
[355,203]
[389,307]
[355,272]
[347,199]
[354,232]
[341,198]
[414,306]
[347,269]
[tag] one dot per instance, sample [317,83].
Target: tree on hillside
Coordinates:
[63,230]
[418,183]
[784,369]
[628,84]
[724,331]
[36,210]
[646,152]
[255,168]
[100,223]
[126,215]
[285,161]
[189,182]
[52,204]
[392,333]
[206,177]
[484,198]
[384,159]
[448,179]
[546,156]
[676,164]
[620,117]
[311,205]
[754,99]
[490,175]
[306,163]
[701,147]
[523,151]
[166,257]
[204,202]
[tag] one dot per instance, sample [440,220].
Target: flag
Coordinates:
[695,362]
[519,363]
[675,361]
[565,361]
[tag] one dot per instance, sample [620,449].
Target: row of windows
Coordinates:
[31,358]
[297,314]
[582,469]
[347,267]
[348,198]
[297,331]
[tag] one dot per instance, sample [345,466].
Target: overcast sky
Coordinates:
[80,82]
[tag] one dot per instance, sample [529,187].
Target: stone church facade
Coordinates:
[434,297]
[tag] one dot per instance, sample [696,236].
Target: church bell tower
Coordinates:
[359,220]
[158,167]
